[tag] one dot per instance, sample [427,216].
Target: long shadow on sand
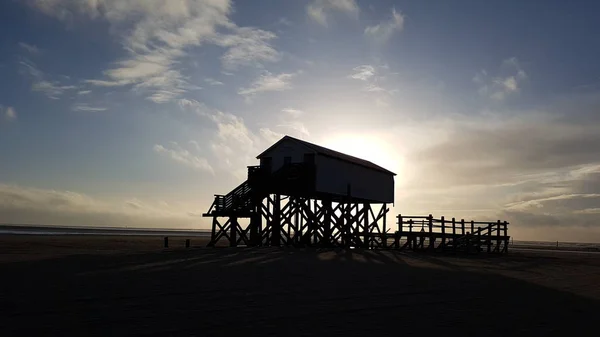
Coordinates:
[278,292]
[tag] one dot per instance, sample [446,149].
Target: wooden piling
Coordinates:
[233,231]
[469,243]
[462,226]
[187,243]
[166,242]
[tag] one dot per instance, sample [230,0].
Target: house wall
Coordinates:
[334,175]
[285,149]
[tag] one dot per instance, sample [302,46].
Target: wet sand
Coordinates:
[132,286]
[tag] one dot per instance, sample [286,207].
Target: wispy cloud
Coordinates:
[384,30]
[285,22]
[363,72]
[157,34]
[84,92]
[212,81]
[268,82]
[51,89]
[40,82]
[247,46]
[536,167]
[293,113]
[233,145]
[29,48]
[318,10]
[8,113]
[184,157]
[86,107]
[21,204]
[290,119]
[503,85]
[373,80]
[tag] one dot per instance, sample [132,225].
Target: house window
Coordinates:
[287,160]
[309,158]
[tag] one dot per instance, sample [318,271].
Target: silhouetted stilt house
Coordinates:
[304,194]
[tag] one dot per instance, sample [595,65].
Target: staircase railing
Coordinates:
[261,181]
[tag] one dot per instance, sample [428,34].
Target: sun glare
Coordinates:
[370,148]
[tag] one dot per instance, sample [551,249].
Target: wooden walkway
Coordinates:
[429,233]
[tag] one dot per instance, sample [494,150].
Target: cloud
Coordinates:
[289,120]
[247,47]
[284,21]
[212,81]
[363,72]
[157,34]
[84,92]
[503,85]
[317,10]
[234,145]
[270,135]
[384,30]
[51,88]
[86,107]
[29,48]
[268,82]
[374,82]
[293,113]
[9,114]
[195,144]
[536,168]
[27,205]
[184,157]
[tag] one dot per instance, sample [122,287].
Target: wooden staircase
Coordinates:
[238,202]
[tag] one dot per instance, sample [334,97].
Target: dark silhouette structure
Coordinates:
[303,194]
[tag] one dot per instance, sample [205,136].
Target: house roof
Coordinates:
[330,153]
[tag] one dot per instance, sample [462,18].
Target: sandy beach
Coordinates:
[132,286]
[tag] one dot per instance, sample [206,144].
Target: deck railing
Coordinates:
[442,233]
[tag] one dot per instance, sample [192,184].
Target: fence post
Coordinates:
[187,243]
[498,241]
[166,242]
[506,237]
[443,244]
[472,226]
[410,236]
[462,226]
[489,238]
[453,234]
[453,227]
[399,217]
[431,239]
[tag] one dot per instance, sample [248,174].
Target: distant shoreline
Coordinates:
[49,230]
[11,229]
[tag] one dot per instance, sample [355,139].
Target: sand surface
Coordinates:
[132,286]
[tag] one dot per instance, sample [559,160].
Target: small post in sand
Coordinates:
[187,243]
[166,242]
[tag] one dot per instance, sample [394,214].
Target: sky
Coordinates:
[136,112]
